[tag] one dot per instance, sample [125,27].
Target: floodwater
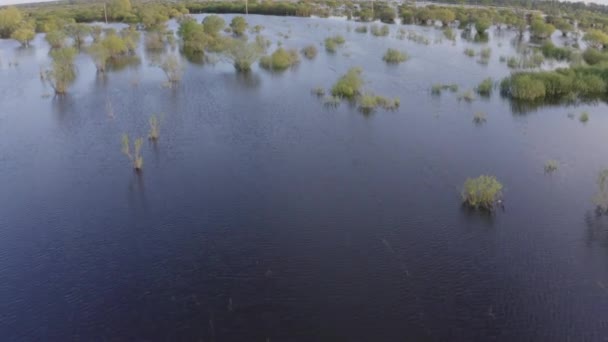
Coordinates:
[262,215]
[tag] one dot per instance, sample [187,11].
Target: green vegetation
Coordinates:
[584,117]
[310,51]
[10,20]
[56,39]
[549,50]
[468,96]
[349,85]
[361,29]
[134,154]
[479,118]
[213,24]
[243,54]
[154,133]
[551,166]
[78,33]
[24,34]
[62,72]
[482,192]
[596,38]
[593,56]
[469,52]
[380,31]
[601,198]
[436,89]
[280,60]
[239,26]
[449,34]
[331,43]
[172,69]
[369,102]
[540,29]
[394,56]
[485,87]
[482,24]
[588,82]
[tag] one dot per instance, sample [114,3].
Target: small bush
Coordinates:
[318,91]
[449,34]
[479,118]
[395,56]
[349,85]
[482,192]
[436,89]
[468,96]
[281,59]
[361,29]
[172,69]
[331,101]
[331,43]
[369,102]
[485,87]
[584,117]
[551,166]
[380,31]
[469,52]
[310,51]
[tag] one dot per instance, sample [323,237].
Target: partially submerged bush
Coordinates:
[394,56]
[281,59]
[318,91]
[63,71]
[551,166]
[468,96]
[485,87]
[331,43]
[369,102]
[380,31]
[482,192]
[154,129]
[134,154]
[436,89]
[243,54]
[361,29]
[172,69]
[349,85]
[469,52]
[239,26]
[584,117]
[310,51]
[479,117]
[56,39]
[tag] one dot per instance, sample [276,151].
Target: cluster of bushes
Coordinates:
[549,50]
[280,60]
[587,82]
[369,102]
[436,89]
[349,87]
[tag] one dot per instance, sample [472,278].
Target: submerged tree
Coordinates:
[62,72]
[134,155]
[10,19]
[78,32]
[24,34]
[243,54]
[172,69]
[56,38]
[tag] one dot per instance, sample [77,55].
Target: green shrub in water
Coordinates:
[281,59]
[482,192]
[394,56]
[485,87]
[349,85]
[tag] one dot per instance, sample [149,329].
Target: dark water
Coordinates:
[263,216]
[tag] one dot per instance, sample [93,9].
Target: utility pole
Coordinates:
[105,12]
[246,7]
[373,17]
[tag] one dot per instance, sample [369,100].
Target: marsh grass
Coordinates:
[485,87]
[309,51]
[380,31]
[318,91]
[584,117]
[467,96]
[134,154]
